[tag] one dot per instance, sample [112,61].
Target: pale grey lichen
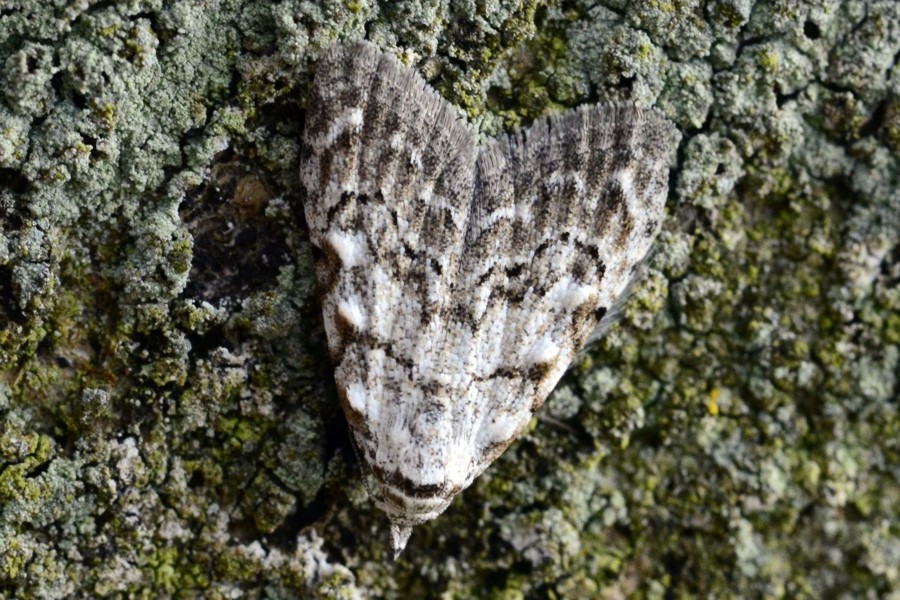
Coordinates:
[717,168]
[156,286]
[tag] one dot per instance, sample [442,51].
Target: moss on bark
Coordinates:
[168,423]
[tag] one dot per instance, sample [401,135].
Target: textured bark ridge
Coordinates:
[169,420]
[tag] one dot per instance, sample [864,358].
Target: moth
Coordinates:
[459,278]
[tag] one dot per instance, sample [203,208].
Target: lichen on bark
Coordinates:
[168,424]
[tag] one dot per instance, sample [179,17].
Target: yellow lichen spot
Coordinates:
[768,61]
[645,51]
[108,114]
[712,403]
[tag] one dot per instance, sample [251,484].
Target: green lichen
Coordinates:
[168,425]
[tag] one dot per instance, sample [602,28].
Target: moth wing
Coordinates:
[564,212]
[388,172]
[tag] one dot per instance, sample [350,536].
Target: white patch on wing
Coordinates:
[349,249]
[545,351]
[625,177]
[356,396]
[352,312]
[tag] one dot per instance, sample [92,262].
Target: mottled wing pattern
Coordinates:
[388,172]
[459,281]
[564,213]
